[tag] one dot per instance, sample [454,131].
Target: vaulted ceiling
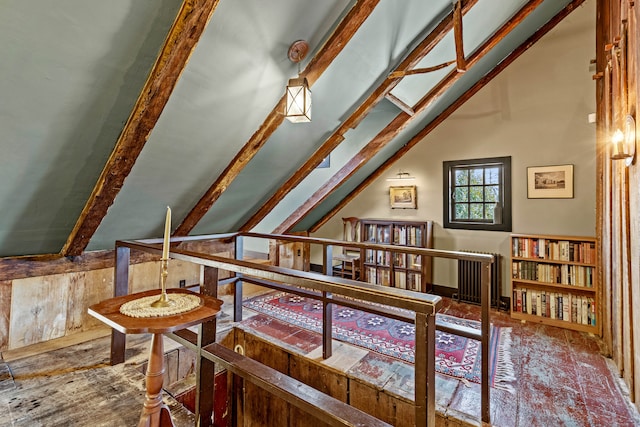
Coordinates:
[112,111]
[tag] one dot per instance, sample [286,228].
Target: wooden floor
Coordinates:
[74,386]
[562,380]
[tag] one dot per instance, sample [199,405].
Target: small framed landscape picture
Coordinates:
[550,182]
[403,197]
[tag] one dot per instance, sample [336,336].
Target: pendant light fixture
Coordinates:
[298,106]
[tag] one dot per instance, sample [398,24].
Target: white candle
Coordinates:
[167,232]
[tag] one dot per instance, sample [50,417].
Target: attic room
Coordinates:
[147,153]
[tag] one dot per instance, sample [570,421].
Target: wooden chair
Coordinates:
[348,258]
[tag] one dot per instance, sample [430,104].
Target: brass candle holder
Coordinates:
[164,300]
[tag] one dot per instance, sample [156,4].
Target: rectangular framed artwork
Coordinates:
[550,182]
[403,197]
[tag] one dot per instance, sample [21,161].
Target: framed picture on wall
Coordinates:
[403,197]
[550,182]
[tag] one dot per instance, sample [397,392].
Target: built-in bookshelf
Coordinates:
[554,280]
[397,269]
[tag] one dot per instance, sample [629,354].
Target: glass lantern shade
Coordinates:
[298,108]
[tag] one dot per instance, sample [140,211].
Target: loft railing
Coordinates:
[330,290]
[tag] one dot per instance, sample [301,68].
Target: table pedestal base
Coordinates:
[155,412]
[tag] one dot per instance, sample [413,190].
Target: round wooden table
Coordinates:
[154,412]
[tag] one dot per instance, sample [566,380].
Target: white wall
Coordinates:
[535,111]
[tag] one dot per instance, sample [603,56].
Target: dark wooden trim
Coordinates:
[321,61]
[412,59]
[448,111]
[181,40]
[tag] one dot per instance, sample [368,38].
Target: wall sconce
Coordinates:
[298,107]
[401,176]
[624,142]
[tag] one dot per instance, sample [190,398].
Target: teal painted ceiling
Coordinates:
[72,71]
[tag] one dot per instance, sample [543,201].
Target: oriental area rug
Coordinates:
[456,356]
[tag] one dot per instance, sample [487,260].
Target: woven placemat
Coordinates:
[141,307]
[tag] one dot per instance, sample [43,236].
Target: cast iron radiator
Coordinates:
[470,277]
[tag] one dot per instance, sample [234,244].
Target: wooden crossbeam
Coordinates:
[461,63]
[192,19]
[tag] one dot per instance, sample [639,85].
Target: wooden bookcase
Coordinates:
[396,269]
[554,280]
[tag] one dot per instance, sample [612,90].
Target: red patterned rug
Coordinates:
[456,356]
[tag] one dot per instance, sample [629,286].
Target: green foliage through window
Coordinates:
[477,194]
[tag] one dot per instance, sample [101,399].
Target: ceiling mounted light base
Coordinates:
[298,51]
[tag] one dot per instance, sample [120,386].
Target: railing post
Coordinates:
[327,307]
[237,285]
[205,369]
[425,370]
[120,287]
[485,301]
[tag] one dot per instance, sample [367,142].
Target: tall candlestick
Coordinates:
[167,232]
[164,300]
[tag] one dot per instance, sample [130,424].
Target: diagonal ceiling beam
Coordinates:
[400,122]
[320,62]
[449,110]
[192,19]
[410,61]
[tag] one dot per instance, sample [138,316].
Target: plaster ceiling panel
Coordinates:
[69,76]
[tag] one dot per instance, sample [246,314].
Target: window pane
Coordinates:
[461,211]
[488,211]
[491,193]
[476,211]
[461,194]
[461,177]
[476,177]
[475,194]
[492,175]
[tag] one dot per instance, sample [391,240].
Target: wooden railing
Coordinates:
[330,291]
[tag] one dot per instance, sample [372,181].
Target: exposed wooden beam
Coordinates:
[403,73]
[320,62]
[400,122]
[448,111]
[413,58]
[189,25]
[461,64]
[400,104]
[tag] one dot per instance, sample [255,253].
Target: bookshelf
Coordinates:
[554,280]
[397,269]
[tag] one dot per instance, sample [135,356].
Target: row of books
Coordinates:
[379,234]
[402,235]
[373,256]
[579,309]
[407,235]
[575,275]
[402,279]
[407,261]
[409,281]
[559,250]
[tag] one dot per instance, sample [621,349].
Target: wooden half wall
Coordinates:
[46,297]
